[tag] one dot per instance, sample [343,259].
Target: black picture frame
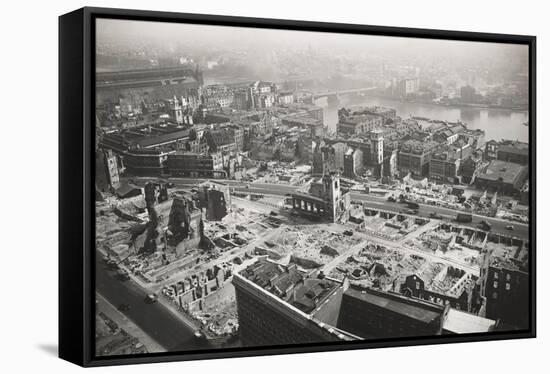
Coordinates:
[76,175]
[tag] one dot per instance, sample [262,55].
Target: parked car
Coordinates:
[464,217]
[122,274]
[151,298]
[348,232]
[123,307]
[485,225]
[510,227]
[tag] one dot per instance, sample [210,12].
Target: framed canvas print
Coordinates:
[238,186]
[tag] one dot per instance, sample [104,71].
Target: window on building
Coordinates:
[417,285]
[495,284]
[495,295]
[507,286]
[495,275]
[508,276]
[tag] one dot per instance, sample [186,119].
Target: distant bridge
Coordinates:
[338,93]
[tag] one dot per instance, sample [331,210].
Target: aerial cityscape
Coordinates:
[261,187]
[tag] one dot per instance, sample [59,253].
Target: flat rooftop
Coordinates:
[460,322]
[515,147]
[412,308]
[507,172]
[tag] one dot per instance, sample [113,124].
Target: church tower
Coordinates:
[377,146]
[377,151]
[176,111]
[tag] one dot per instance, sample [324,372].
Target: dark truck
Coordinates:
[485,226]
[434,215]
[413,205]
[464,217]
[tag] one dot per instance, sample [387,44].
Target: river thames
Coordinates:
[497,123]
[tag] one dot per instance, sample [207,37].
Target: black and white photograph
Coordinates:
[275,187]
[259,187]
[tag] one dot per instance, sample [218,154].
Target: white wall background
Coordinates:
[28,182]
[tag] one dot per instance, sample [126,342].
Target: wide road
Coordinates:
[498,225]
[424,210]
[154,319]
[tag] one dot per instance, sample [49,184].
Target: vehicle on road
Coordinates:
[510,227]
[348,232]
[151,298]
[464,217]
[413,205]
[123,307]
[392,199]
[410,211]
[434,215]
[485,225]
[122,274]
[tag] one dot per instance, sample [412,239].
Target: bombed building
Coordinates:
[174,223]
[323,200]
[215,199]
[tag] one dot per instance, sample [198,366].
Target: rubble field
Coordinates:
[461,247]
[377,266]
[310,246]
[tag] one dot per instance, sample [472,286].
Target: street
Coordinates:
[498,225]
[424,210]
[157,322]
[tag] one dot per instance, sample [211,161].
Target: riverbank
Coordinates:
[496,123]
[450,105]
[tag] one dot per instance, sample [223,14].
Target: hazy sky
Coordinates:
[122,31]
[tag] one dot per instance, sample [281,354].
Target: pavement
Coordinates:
[127,325]
[154,319]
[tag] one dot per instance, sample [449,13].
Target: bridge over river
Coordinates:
[337,93]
